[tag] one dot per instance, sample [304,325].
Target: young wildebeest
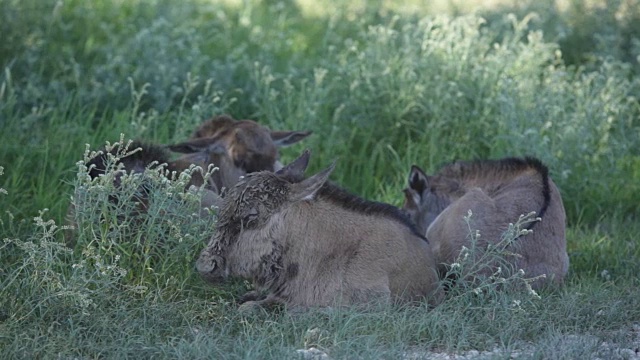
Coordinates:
[251,146]
[150,156]
[306,242]
[497,192]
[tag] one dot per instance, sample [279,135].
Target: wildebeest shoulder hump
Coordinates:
[346,200]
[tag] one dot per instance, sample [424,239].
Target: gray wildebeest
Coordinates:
[308,243]
[251,146]
[496,192]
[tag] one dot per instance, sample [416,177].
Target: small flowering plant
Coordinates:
[482,271]
[138,221]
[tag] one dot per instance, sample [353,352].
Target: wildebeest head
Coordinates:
[247,208]
[251,146]
[226,175]
[427,196]
[132,194]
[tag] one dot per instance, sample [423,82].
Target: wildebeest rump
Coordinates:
[497,192]
[306,242]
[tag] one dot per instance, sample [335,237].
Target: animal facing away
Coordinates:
[308,243]
[497,192]
[250,146]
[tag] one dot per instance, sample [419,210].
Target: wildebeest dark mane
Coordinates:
[341,197]
[349,201]
[496,168]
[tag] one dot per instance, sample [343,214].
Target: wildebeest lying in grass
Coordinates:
[497,192]
[138,157]
[251,146]
[306,242]
[150,156]
[234,147]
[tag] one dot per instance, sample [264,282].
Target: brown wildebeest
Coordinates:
[251,146]
[497,192]
[306,242]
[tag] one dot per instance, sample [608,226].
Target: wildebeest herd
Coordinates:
[306,242]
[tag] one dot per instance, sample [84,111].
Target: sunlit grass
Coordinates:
[325,8]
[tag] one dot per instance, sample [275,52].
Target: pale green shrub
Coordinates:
[117,251]
[153,244]
[440,89]
[480,271]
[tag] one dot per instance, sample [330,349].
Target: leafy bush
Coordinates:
[148,222]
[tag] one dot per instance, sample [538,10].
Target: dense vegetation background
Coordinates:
[383,85]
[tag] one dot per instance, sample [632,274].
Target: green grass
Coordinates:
[383,85]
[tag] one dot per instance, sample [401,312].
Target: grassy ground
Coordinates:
[383,85]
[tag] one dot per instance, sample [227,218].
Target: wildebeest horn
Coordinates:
[306,189]
[297,166]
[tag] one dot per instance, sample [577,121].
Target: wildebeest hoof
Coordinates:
[266,304]
[250,307]
[251,296]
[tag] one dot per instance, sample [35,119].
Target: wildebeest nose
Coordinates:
[205,265]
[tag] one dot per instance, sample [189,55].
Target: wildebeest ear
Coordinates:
[418,180]
[307,189]
[240,136]
[286,138]
[297,167]
[209,145]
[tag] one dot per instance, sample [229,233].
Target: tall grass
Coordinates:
[382,88]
